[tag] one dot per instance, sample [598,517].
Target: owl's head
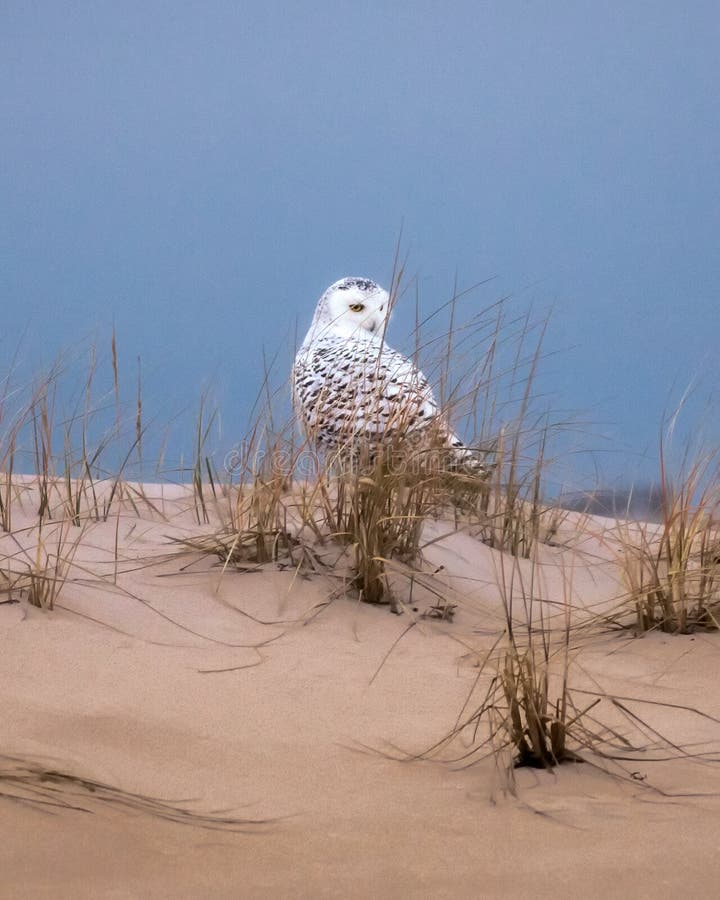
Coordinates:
[352,307]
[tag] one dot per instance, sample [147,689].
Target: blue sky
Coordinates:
[197,174]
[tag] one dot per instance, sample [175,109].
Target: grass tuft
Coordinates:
[672,569]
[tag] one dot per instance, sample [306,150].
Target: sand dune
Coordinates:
[269,698]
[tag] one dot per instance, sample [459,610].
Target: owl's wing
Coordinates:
[345,389]
[404,390]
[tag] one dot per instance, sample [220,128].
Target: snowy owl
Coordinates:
[351,390]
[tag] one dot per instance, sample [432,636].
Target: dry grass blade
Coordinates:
[34,785]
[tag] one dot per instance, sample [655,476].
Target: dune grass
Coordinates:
[521,708]
[672,569]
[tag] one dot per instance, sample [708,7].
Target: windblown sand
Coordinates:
[247,694]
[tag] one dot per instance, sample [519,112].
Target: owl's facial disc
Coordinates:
[354,305]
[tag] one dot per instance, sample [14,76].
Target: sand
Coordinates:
[247,694]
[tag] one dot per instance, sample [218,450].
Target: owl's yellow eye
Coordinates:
[357,307]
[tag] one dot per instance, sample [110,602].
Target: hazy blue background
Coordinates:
[198,172]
